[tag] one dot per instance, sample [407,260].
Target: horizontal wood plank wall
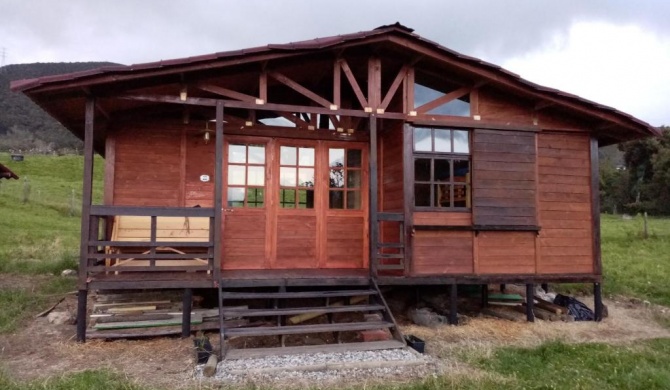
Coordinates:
[497,106]
[147,166]
[199,161]
[345,241]
[296,241]
[244,241]
[391,167]
[442,218]
[503,178]
[566,244]
[506,252]
[442,252]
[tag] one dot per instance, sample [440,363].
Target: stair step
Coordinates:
[296,294]
[301,329]
[261,352]
[299,310]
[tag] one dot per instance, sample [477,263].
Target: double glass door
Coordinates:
[294,204]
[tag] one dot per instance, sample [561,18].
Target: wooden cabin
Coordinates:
[377,157]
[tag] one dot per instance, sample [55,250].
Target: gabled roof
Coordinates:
[493,73]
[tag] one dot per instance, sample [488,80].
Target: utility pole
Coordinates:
[3,56]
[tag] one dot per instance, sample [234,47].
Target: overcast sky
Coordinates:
[615,52]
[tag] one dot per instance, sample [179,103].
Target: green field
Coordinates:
[39,234]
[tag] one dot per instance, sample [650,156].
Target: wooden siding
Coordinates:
[504,178]
[391,169]
[296,241]
[442,218]
[199,161]
[244,241]
[506,253]
[442,252]
[494,105]
[147,166]
[345,242]
[566,242]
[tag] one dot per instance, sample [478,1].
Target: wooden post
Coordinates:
[374,224]
[595,207]
[485,295]
[453,304]
[545,287]
[597,302]
[187,300]
[218,208]
[82,296]
[530,292]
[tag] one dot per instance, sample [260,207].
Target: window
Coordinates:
[296,177]
[441,168]
[246,175]
[345,178]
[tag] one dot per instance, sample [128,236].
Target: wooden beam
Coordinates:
[444,99]
[399,78]
[218,192]
[542,104]
[595,207]
[300,89]
[337,84]
[354,84]
[530,293]
[374,225]
[292,118]
[263,86]
[227,93]
[374,82]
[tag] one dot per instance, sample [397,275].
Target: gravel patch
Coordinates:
[323,369]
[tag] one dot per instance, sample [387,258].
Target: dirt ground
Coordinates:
[40,349]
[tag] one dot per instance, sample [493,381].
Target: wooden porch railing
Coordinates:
[148,252]
[390,255]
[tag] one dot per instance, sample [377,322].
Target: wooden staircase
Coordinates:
[337,313]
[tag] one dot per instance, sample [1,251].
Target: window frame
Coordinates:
[246,164]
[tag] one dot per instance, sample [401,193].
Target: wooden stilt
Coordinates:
[545,287]
[502,288]
[453,305]
[530,289]
[82,297]
[485,295]
[186,312]
[597,302]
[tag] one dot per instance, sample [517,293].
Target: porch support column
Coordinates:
[374,225]
[186,302]
[597,302]
[218,192]
[453,304]
[85,219]
[530,292]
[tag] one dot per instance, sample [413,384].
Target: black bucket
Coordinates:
[415,343]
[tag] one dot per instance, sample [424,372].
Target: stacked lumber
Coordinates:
[543,309]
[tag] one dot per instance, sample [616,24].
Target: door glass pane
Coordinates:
[237,153]
[288,155]
[287,177]
[336,178]
[235,197]
[255,197]
[256,154]
[287,199]
[442,172]
[336,157]
[422,140]
[236,174]
[336,199]
[442,195]
[442,140]
[462,170]
[256,176]
[306,177]
[353,178]
[422,169]
[461,144]
[306,157]
[353,158]
[353,200]
[422,195]
[306,199]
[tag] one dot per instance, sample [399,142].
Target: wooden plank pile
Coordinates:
[543,309]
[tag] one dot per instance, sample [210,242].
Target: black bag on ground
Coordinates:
[577,309]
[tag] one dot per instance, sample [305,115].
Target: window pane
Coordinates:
[353,178]
[237,153]
[287,199]
[456,107]
[235,197]
[306,177]
[460,196]
[288,155]
[306,157]
[256,176]
[257,154]
[336,178]
[306,199]
[236,174]
[353,158]
[442,140]
[422,169]
[336,157]
[422,195]
[442,195]
[255,197]
[461,144]
[353,200]
[287,177]
[422,140]
[442,172]
[336,199]
[462,170]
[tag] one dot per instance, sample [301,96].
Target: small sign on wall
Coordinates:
[204,178]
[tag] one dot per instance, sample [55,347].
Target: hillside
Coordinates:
[23,125]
